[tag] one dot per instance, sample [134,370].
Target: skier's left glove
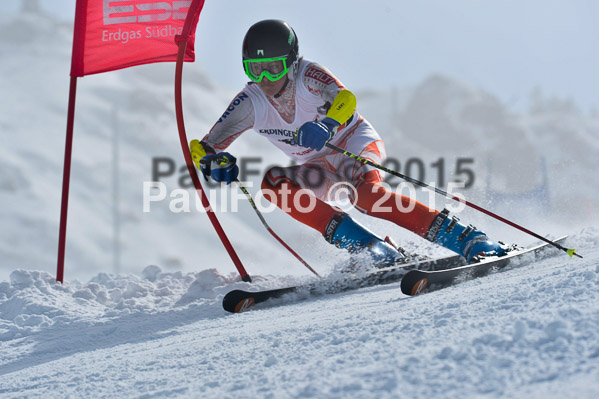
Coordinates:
[316,134]
[221,167]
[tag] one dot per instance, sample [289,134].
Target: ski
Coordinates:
[415,276]
[415,282]
[239,300]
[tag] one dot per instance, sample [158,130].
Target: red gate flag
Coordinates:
[115,34]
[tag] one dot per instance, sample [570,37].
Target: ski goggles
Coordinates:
[271,68]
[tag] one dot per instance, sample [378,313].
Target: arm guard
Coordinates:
[343,107]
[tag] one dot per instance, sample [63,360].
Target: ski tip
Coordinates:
[413,283]
[419,287]
[244,304]
[238,301]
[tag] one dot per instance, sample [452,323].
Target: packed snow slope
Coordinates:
[531,331]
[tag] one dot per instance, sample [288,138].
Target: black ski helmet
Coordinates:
[270,38]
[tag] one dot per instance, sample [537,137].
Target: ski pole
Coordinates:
[251,200]
[571,252]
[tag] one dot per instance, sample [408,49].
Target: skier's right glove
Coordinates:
[197,151]
[467,241]
[222,167]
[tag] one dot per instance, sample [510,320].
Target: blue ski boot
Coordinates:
[344,232]
[464,240]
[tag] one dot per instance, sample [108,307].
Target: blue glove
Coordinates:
[316,134]
[464,240]
[222,167]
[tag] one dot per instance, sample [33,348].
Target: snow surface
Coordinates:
[530,331]
[133,330]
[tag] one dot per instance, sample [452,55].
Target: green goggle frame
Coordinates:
[273,77]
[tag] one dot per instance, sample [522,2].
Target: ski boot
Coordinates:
[464,240]
[344,232]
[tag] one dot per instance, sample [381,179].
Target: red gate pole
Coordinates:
[66,178]
[193,14]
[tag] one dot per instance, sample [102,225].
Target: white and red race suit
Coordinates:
[309,92]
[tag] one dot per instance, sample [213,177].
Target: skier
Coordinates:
[295,103]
